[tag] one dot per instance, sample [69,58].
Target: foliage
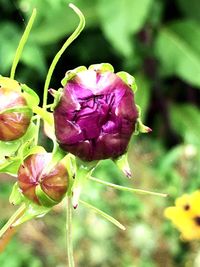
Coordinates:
[158,43]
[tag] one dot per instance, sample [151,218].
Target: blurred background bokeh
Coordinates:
[158,42]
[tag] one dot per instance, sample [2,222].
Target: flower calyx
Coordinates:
[140,127]
[42,182]
[123,165]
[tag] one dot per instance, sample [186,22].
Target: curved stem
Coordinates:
[22,43]
[72,37]
[124,188]
[12,219]
[69,234]
[37,130]
[103,214]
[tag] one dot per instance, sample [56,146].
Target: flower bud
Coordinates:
[41,185]
[15,115]
[96,114]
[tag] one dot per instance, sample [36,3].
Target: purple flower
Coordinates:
[96,115]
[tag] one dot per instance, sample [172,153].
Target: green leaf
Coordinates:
[185,120]
[190,8]
[169,160]
[121,19]
[178,50]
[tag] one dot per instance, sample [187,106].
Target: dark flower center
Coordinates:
[197,220]
[186,207]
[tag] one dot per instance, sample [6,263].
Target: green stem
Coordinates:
[69,234]
[12,219]
[37,131]
[45,115]
[123,188]
[22,43]
[103,214]
[72,37]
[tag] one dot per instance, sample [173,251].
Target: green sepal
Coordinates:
[103,67]
[20,109]
[128,79]
[140,127]
[30,95]
[16,196]
[32,211]
[123,165]
[34,150]
[71,73]
[43,198]
[9,83]
[57,94]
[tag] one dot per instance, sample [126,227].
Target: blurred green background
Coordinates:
[158,42]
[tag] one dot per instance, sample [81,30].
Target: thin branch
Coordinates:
[22,44]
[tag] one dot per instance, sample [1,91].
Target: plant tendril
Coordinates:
[104,215]
[72,37]
[124,188]
[12,219]
[22,43]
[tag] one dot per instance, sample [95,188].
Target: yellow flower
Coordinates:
[185,215]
